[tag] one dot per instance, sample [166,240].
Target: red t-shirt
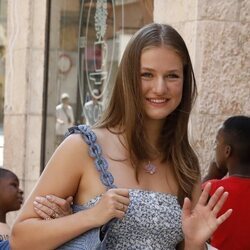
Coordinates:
[234,233]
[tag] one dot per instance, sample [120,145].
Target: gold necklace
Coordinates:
[150,168]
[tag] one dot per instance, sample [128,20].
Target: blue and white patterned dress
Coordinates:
[152,221]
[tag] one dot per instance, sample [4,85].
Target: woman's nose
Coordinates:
[160,86]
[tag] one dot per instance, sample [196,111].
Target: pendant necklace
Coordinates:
[150,168]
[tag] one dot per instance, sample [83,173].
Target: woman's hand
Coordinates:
[51,206]
[113,204]
[199,224]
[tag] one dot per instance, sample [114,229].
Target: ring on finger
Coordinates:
[54,215]
[122,207]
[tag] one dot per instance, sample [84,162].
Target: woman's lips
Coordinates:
[157,101]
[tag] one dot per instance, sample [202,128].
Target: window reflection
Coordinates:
[87,39]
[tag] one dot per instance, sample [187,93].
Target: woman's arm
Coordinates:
[63,177]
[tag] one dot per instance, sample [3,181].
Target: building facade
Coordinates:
[60,46]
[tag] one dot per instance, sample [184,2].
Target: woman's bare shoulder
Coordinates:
[73,144]
[71,155]
[105,133]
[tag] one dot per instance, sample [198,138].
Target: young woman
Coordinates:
[136,165]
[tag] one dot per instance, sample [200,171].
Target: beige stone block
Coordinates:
[16,82]
[244,43]
[23,146]
[25,80]
[35,81]
[218,41]
[14,143]
[26,24]
[38,24]
[223,74]
[245,11]
[204,136]
[188,32]
[18,24]
[33,147]
[168,11]
[218,10]
[223,101]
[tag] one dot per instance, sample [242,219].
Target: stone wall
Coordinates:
[217,35]
[24,89]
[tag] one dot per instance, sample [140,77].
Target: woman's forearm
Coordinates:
[49,234]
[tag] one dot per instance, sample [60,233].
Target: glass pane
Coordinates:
[87,39]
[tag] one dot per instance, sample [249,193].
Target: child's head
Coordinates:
[233,141]
[11,196]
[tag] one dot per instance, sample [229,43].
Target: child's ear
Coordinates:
[228,150]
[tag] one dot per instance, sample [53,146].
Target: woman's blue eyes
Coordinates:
[168,76]
[172,76]
[147,75]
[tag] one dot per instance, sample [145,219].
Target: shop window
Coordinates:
[86,42]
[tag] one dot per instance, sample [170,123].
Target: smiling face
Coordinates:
[161,81]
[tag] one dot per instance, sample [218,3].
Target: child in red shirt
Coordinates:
[233,153]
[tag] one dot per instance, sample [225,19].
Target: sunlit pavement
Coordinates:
[1,145]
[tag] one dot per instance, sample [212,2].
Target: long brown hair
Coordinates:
[125,109]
